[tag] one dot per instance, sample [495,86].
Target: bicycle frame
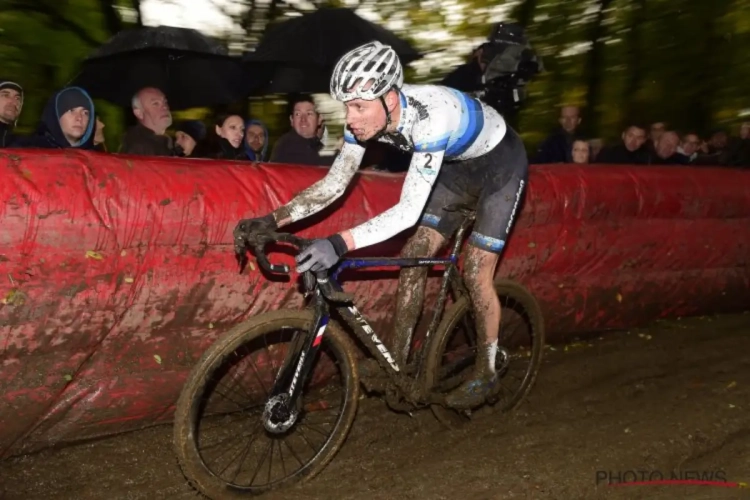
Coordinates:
[288,380]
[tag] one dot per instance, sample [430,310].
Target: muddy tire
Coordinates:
[515,300]
[188,409]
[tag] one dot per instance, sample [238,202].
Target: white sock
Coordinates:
[491,355]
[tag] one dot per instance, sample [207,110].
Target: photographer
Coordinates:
[499,70]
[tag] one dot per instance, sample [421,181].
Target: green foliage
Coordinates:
[683,62]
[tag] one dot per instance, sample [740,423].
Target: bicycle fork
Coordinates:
[282,407]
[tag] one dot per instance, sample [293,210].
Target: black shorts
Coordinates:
[492,183]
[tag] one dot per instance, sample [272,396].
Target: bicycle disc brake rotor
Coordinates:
[277,416]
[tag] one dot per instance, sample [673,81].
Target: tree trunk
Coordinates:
[634,64]
[594,68]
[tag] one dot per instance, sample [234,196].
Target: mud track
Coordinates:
[672,397]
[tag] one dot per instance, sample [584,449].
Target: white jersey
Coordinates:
[435,124]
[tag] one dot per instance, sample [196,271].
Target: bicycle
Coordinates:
[323,344]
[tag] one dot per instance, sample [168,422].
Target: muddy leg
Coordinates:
[479,273]
[426,242]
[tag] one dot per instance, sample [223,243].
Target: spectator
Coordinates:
[665,150]
[256,140]
[689,147]
[557,147]
[580,151]
[715,151]
[11,103]
[226,141]
[188,134]
[468,76]
[67,122]
[655,132]
[148,138]
[302,144]
[630,152]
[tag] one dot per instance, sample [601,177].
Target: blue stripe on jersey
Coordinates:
[432,146]
[348,136]
[472,122]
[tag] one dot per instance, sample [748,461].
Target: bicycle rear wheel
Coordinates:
[452,351]
[223,445]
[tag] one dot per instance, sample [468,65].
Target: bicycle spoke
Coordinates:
[233,444]
[252,480]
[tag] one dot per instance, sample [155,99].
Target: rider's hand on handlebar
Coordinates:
[244,231]
[322,254]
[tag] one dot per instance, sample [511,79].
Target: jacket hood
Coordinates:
[249,152]
[50,124]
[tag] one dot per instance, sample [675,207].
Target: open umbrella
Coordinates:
[298,55]
[191,69]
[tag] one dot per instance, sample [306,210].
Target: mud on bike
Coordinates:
[272,400]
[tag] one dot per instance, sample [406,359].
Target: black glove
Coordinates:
[322,254]
[244,231]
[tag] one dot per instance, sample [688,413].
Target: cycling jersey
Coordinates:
[436,124]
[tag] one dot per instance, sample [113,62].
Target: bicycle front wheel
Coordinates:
[223,444]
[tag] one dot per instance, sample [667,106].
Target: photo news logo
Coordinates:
[637,477]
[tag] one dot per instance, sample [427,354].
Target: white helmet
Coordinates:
[371,62]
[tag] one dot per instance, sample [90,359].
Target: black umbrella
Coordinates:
[298,55]
[191,69]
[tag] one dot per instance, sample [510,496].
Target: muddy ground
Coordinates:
[672,397]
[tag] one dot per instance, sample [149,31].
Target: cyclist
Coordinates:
[463,152]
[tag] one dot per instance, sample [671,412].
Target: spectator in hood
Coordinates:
[188,135]
[302,144]
[256,140]
[149,137]
[67,122]
[11,103]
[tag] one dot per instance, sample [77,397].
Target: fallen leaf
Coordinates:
[731,405]
[732,384]
[618,297]
[90,254]
[123,253]
[532,245]
[251,265]
[627,430]
[157,358]
[128,280]
[68,377]
[210,326]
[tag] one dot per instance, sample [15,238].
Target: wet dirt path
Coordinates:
[672,397]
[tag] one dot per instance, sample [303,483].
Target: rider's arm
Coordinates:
[326,190]
[418,183]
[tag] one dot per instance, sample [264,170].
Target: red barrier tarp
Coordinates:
[118,272]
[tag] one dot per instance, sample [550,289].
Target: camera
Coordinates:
[509,63]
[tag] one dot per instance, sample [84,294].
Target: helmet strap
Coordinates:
[388,119]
